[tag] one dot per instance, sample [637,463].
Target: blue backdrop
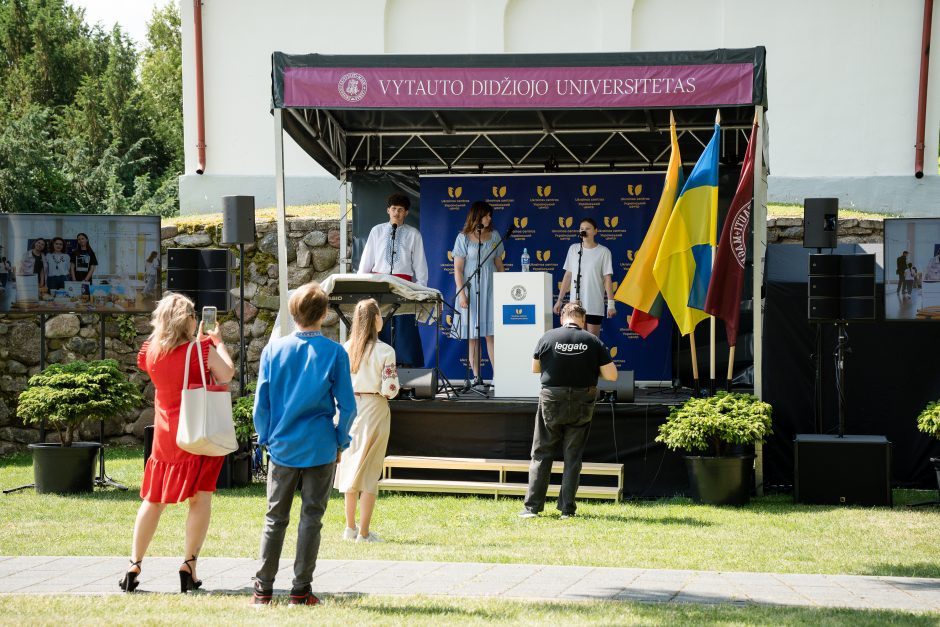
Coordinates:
[546,210]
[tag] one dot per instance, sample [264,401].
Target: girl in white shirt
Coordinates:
[596,272]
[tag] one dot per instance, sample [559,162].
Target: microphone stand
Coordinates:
[391,271]
[577,280]
[478,380]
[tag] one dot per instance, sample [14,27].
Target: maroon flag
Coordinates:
[724,289]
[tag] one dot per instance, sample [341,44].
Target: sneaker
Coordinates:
[527,513]
[350,534]
[303,597]
[261,597]
[565,516]
[369,538]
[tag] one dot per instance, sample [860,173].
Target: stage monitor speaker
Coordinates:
[820,222]
[841,288]
[238,220]
[851,470]
[417,382]
[199,258]
[619,391]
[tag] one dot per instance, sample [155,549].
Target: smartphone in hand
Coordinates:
[208,319]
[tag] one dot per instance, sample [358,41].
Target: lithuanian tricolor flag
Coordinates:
[683,264]
[638,288]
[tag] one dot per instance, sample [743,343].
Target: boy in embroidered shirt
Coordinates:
[303,379]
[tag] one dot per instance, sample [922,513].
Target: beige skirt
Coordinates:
[361,466]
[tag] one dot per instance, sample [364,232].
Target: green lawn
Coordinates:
[207,609]
[771,534]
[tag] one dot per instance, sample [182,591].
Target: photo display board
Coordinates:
[912,269]
[79,263]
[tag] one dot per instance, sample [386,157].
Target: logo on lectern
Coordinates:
[518,292]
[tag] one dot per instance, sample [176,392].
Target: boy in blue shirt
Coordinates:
[303,379]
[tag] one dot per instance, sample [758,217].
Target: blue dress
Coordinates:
[467,249]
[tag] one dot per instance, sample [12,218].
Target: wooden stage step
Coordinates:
[499,466]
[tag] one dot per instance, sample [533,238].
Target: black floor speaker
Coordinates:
[851,470]
[417,382]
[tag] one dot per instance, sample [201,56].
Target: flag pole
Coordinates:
[730,367]
[711,326]
[695,380]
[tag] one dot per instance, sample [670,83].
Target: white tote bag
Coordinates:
[205,424]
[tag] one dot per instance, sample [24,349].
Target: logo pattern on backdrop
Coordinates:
[545,211]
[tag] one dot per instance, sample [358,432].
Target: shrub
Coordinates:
[929,420]
[712,424]
[66,395]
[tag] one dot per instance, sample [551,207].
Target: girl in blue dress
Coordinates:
[474,242]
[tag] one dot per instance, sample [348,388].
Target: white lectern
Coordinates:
[522,306]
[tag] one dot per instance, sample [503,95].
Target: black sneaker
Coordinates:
[303,596]
[261,597]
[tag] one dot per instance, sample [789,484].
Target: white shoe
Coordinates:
[369,538]
[350,534]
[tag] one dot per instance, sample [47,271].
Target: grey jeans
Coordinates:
[316,484]
[563,418]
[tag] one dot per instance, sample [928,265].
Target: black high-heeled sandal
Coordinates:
[129,583]
[187,582]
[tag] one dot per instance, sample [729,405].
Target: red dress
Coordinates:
[172,475]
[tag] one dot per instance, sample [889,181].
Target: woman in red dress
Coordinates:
[173,475]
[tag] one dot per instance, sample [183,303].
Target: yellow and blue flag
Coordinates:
[683,264]
[638,288]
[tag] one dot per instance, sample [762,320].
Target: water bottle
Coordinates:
[525,260]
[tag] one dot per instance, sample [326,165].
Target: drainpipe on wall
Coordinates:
[200,102]
[922,91]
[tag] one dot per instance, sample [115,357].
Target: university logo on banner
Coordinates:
[520,223]
[611,222]
[499,192]
[544,191]
[454,192]
[564,222]
[352,87]
[543,255]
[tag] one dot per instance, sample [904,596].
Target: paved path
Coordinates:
[99,575]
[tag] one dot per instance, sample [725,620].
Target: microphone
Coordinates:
[479,227]
[394,228]
[582,234]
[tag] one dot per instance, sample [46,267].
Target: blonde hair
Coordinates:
[170,322]
[364,332]
[307,305]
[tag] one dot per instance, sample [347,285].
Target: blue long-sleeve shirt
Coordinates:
[303,379]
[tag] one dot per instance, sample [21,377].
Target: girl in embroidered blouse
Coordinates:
[375,380]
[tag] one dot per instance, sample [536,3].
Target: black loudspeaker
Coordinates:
[820,222]
[841,288]
[201,274]
[417,382]
[619,391]
[851,470]
[238,220]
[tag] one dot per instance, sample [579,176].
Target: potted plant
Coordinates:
[929,422]
[713,425]
[65,396]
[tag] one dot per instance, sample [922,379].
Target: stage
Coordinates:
[474,426]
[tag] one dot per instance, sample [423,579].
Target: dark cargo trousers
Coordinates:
[315,486]
[563,417]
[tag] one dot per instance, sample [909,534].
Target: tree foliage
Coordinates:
[88,124]
[66,395]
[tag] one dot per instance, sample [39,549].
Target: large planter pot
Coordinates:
[64,469]
[936,466]
[720,480]
[236,470]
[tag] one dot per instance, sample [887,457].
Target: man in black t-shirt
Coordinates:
[570,360]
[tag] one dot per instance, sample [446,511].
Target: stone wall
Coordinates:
[313,252]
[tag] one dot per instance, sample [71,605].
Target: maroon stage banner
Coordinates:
[520,87]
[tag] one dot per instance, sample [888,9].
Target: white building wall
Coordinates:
[842,80]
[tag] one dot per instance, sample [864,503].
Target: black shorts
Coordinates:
[591,319]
